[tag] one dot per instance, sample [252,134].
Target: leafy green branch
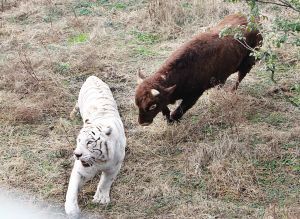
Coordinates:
[283,31]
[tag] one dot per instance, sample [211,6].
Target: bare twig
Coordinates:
[280,89]
[3,2]
[26,62]
[244,43]
[66,135]
[282,4]
[48,53]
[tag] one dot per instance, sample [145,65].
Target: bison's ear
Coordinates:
[141,76]
[171,89]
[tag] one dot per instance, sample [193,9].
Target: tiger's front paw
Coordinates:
[72,211]
[102,198]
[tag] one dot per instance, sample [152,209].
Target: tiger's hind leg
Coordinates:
[74,112]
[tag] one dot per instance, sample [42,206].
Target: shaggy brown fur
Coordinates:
[205,61]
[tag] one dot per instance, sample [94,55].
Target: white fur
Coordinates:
[101,119]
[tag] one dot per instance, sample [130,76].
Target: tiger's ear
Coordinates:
[108,130]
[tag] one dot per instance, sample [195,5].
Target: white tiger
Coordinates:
[100,143]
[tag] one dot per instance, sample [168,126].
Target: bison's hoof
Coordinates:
[170,120]
[175,117]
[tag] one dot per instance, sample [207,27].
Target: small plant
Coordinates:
[144,51]
[27,64]
[119,5]
[276,119]
[296,94]
[53,14]
[290,145]
[145,38]
[83,8]
[62,68]
[273,118]
[103,1]
[187,5]
[282,32]
[80,38]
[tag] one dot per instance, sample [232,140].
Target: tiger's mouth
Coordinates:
[85,164]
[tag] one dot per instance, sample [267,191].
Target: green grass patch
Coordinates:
[257,90]
[22,18]
[90,205]
[144,52]
[274,118]
[271,165]
[52,155]
[160,205]
[145,37]
[62,68]
[45,167]
[83,8]
[119,5]
[290,145]
[53,14]
[255,140]
[296,94]
[177,177]
[167,151]
[276,172]
[46,190]
[212,129]
[187,5]
[85,11]
[276,194]
[80,38]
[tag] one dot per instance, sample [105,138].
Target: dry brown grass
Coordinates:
[234,155]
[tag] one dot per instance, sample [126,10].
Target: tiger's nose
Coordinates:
[78,155]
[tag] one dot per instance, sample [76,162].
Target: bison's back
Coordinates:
[233,20]
[207,59]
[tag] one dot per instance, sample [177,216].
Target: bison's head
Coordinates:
[151,98]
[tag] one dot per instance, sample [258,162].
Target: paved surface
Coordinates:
[15,205]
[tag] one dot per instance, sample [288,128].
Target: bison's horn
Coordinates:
[154,92]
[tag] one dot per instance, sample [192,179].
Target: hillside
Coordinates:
[234,155]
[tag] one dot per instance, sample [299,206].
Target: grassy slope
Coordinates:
[233,155]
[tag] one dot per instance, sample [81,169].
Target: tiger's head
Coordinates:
[92,145]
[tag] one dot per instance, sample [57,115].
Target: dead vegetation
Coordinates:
[234,155]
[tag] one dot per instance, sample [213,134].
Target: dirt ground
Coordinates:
[234,155]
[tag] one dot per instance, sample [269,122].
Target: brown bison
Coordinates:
[204,62]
